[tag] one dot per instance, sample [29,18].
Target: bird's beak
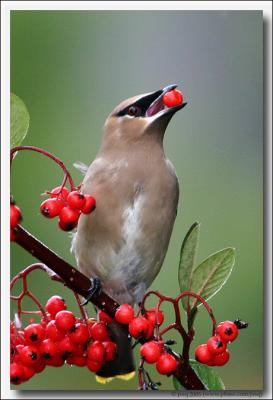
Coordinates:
[157,109]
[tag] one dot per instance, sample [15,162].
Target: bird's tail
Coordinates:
[122,366]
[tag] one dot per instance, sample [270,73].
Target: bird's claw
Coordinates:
[94,290]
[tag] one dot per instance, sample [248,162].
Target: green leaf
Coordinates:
[208,376]
[177,385]
[187,260]
[19,120]
[212,274]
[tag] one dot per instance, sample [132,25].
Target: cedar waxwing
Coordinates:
[124,241]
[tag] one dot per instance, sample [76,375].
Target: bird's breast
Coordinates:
[125,240]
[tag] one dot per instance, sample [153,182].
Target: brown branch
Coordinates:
[80,284]
[73,278]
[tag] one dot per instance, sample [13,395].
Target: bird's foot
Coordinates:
[94,290]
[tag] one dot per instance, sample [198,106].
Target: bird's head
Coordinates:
[142,116]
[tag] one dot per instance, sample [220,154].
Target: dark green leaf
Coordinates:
[19,120]
[211,274]
[177,385]
[187,260]
[208,376]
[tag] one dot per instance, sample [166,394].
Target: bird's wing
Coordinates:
[80,166]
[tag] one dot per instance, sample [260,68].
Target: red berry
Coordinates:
[11,327]
[68,218]
[80,350]
[12,235]
[66,348]
[76,200]
[60,192]
[34,333]
[202,354]
[96,352]
[15,215]
[90,323]
[48,350]
[153,317]
[20,337]
[124,314]
[150,351]
[28,372]
[221,359]
[56,361]
[110,350]
[65,320]
[30,355]
[139,327]
[227,330]
[19,348]
[150,332]
[166,364]
[90,204]
[80,361]
[103,317]
[99,332]
[40,367]
[50,208]
[53,333]
[79,333]
[16,373]
[216,345]
[54,305]
[45,320]
[93,366]
[173,98]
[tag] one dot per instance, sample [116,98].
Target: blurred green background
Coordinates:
[72,68]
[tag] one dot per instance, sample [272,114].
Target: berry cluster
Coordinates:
[67,206]
[214,352]
[58,339]
[142,328]
[15,218]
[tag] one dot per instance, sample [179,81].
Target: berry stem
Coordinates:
[49,155]
[205,304]
[26,292]
[83,311]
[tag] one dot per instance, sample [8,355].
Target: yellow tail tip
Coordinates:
[125,377]
[102,380]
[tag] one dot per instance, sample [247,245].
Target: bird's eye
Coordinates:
[134,111]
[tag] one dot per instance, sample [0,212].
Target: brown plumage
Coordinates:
[124,241]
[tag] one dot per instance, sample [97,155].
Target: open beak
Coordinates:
[157,108]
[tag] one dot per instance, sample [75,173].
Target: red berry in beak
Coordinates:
[173,98]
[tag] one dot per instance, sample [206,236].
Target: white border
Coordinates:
[6,7]
[138,5]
